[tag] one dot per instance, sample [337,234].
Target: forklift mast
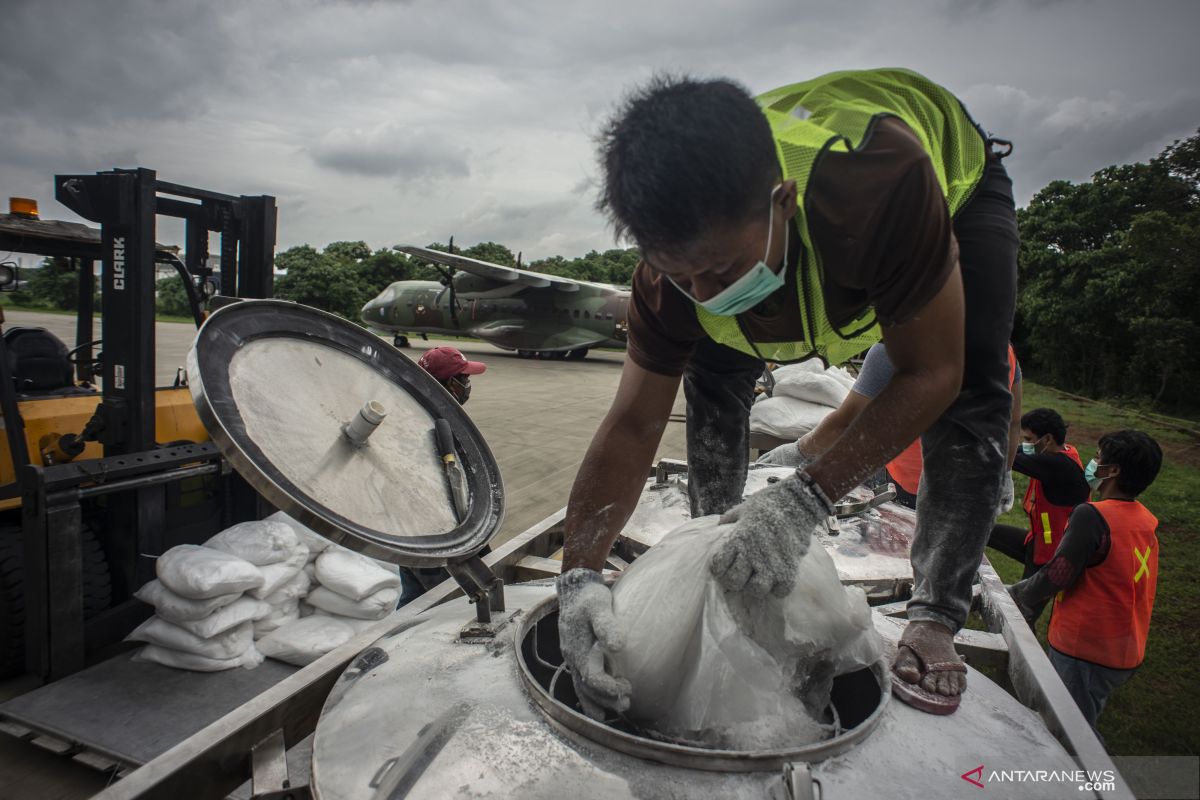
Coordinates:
[135,488]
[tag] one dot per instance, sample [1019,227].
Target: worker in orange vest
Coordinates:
[1056,486]
[1103,575]
[904,471]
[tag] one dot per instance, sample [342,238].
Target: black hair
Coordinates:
[1138,456]
[681,156]
[1046,420]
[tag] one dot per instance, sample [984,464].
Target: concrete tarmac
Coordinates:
[537,416]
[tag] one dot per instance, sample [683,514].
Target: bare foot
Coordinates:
[932,645]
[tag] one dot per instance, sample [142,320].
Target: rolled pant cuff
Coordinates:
[927,615]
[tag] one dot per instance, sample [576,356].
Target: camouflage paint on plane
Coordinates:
[511,308]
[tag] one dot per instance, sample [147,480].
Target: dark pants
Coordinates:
[965,450]
[1010,540]
[1089,684]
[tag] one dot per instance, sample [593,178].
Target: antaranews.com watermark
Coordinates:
[1144,777]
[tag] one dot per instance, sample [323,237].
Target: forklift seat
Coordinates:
[37,360]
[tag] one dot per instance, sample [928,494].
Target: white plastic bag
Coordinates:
[288,611]
[245,609]
[260,542]
[813,387]
[176,608]
[305,640]
[228,644]
[786,417]
[357,625]
[275,576]
[352,575]
[727,670]
[294,589]
[190,661]
[306,535]
[200,573]
[373,606]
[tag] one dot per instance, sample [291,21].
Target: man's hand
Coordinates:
[1007,495]
[774,528]
[786,455]
[587,631]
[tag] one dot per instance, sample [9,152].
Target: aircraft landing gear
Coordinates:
[577,355]
[400,341]
[526,353]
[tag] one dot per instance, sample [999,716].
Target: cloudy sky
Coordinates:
[414,120]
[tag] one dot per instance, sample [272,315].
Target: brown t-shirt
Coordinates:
[883,234]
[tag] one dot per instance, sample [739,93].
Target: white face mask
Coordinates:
[759,283]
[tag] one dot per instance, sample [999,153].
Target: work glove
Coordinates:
[1007,494]
[772,533]
[587,632]
[786,455]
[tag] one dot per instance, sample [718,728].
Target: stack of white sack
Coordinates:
[804,393]
[204,611]
[348,593]
[726,670]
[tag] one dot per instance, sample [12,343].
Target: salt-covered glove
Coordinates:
[773,532]
[786,455]
[587,632]
[1007,494]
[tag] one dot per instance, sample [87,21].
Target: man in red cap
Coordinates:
[452,369]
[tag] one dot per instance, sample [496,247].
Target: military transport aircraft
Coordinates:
[537,315]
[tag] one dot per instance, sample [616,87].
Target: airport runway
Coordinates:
[537,416]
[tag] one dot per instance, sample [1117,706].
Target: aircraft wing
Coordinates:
[497,272]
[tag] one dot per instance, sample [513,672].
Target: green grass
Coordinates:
[1156,712]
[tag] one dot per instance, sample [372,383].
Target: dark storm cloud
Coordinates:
[390,151]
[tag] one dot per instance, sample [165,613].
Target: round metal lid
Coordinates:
[288,392]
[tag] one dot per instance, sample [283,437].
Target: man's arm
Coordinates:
[927,354]
[1084,544]
[833,425]
[614,470]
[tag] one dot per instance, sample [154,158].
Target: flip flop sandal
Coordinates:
[916,695]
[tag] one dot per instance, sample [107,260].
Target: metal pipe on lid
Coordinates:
[359,429]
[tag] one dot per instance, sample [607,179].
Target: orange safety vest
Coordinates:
[905,469]
[1105,616]
[1047,522]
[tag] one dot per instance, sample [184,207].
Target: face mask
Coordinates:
[1028,448]
[460,389]
[752,288]
[1089,474]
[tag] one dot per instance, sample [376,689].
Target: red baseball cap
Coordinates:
[446,362]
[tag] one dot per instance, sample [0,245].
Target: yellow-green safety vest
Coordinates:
[835,112]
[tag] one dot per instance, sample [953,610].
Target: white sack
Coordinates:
[727,670]
[202,572]
[352,575]
[282,614]
[275,576]
[260,542]
[247,609]
[294,589]
[176,608]
[842,376]
[357,625]
[373,606]
[229,644]
[785,417]
[181,660]
[304,641]
[813,387]
[306,535]
[785,371]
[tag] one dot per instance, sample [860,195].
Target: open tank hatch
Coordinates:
[857,705]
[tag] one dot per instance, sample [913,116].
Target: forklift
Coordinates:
[100,470]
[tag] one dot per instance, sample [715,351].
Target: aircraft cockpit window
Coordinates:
[587,315]
[577,313]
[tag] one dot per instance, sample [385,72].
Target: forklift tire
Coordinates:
[97,593]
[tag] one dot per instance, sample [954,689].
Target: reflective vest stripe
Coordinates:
[1047,534]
